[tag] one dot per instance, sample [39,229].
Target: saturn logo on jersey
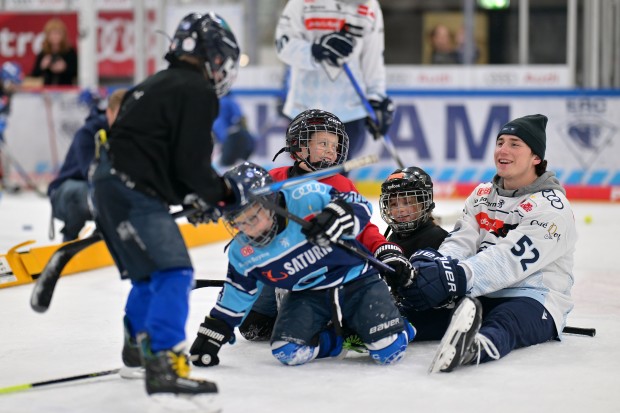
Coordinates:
[270,277]
[305,259]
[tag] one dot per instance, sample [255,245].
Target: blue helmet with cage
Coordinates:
[11,72]
[250,176]
[208,38]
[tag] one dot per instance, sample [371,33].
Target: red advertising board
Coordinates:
[21,35]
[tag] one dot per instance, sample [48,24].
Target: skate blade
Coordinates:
[132,373]
[447,347]
[167,402]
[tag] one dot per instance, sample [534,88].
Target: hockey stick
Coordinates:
[27,386]
[46,282]
[202,283]
[580,331]
[387,142]
[316,175]
[20,170]
[340,243]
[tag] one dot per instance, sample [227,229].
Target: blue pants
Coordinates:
[366,305]
[510,323]
[356,130]
[70,205]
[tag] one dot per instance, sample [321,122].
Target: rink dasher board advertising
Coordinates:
[449,133]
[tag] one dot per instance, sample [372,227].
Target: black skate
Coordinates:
[131,357]
[167,371]
[459,345]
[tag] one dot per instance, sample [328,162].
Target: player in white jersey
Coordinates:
[510,255]
[315,39]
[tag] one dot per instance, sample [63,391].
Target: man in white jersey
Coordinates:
[315,39]
[510,256]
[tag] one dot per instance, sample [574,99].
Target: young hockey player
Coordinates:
[316,140]
[510,255]
[158,154]
[324,282]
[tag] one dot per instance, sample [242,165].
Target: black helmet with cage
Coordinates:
[406,200]
[250,176]
[304,127]
[208,38]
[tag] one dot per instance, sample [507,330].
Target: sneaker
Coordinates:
[167,371]
[459,338]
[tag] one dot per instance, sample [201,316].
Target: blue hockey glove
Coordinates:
[392,255]
[384,111]
[435,283]
[334,221]
[204,214]
[333,47]
[211,335]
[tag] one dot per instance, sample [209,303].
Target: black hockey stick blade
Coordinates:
[580,331]
[44,287]
[27,386]
[208,283]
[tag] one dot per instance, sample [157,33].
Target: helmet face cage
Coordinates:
[250,176]
[302,139]
[209,38]
[406,199]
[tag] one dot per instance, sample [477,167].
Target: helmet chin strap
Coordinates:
[300,160]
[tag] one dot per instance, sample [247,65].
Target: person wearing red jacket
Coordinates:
[316,140]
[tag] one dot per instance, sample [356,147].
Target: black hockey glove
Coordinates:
[211,335]
[352,30]
[436,283]
[204,214]
[334,221]
[384,111]
[333,47]
[392,255]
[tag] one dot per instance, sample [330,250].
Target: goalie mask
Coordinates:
[318,139]
[208,38]
[406,199]
[251,223]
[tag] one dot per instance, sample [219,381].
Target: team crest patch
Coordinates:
[247,251]
[527,205]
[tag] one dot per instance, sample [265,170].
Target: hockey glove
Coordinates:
[334,221]
[211,335]
[352,30]
[384,111]
[427,254]
[392,255]
[236,195]
[333,47]
[435,283]
[204,212]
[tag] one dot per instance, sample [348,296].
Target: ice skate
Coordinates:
[459,337]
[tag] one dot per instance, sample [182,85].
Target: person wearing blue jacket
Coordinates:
[68,192]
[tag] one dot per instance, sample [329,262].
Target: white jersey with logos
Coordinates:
[315,85]
[518,244]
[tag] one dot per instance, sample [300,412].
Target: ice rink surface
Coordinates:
[82,333]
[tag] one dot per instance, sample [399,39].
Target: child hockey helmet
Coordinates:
[208,38]
[406,199]
[302,129]
[250,176]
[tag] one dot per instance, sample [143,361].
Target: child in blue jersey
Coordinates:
[326,282]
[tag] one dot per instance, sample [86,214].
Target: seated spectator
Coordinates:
[69,191]
[57,61]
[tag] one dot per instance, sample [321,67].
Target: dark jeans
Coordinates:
[70,205]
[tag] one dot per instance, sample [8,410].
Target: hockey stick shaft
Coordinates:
[316,175]
[202,283]
[46,282]
[27,386]
[581,331]
[20,170]
[340,243]
[387,142]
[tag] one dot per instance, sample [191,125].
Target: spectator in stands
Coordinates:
[443,51]
[57,61]
[69,191]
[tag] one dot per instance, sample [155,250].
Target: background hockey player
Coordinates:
[512,249]
[314,39]
[158,154]
[316,140]
[269,249]
[11,77]
[68,192]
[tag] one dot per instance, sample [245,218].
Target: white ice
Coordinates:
[81,333]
